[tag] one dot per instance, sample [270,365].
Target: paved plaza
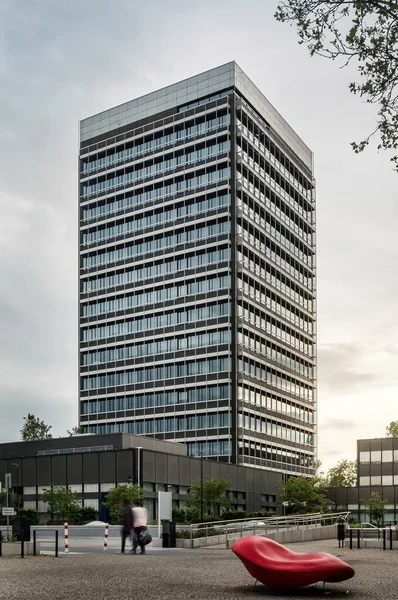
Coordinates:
[185,574]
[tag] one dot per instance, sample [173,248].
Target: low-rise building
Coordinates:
[377,461]
[92,464]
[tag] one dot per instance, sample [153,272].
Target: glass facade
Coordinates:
[197,275]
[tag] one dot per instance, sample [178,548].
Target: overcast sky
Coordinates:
[63,61]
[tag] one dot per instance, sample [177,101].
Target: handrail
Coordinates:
[215,528]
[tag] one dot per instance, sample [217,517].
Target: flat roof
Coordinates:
[210,82]
[78,443]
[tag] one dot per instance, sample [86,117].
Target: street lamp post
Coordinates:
[139,448]
[200,453]
[17,467]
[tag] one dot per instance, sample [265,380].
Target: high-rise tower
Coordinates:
[197,273]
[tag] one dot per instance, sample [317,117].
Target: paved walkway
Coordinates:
[195,574]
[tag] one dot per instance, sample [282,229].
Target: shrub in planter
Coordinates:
[186,533]
[30,514]
[8,538]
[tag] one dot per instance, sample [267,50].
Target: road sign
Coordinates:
[8,511]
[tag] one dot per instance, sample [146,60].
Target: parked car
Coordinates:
[238,526]
[252,524]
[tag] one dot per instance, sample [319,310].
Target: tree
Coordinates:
[304,495]
[376,507]
[34,429]
[75,431]
[392,429]
[63,502]
[2,496]
[364,32]
[118,495]
[344,474]
[216,495]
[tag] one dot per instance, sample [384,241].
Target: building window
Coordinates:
[387,480]
[364,480]
[148,487]
[90,488]
[105,487]
[76,488]
[42,506]
[375,480]
[364,457]
[93,502]
[375,456]
[29,490]
[386,456]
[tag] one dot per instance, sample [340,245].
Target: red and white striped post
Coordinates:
[66,538]
[106,536]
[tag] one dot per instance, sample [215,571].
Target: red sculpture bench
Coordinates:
[277,567]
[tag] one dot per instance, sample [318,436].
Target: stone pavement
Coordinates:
[196,574]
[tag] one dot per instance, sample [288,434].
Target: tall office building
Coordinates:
[197,273]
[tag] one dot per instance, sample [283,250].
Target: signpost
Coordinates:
[8,488]
[165,505]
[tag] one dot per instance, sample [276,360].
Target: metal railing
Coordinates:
[370,531]
[262,526]
[56,538]
[367,532]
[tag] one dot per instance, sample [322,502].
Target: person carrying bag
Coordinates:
[142,536]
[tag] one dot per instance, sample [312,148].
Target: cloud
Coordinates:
[346,367]
[338,424]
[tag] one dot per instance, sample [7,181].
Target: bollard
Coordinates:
[106,536]
[384,539]
[56,543]
[22,544]
[66,538]
[350,539]
[390,534]
[34,542]
[358,539]
[1,544]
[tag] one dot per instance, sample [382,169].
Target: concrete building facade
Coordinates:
[197,274]
[91,465]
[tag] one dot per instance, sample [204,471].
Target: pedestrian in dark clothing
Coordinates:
[127,524]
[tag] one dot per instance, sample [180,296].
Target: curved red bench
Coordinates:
[277,567]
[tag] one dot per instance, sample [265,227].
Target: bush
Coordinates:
[30,514]
[355,525]
[232,515]
[8,537]
[189,515]
[179,515]
[86,514]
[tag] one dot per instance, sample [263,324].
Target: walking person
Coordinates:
[140,520]
[127,524]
